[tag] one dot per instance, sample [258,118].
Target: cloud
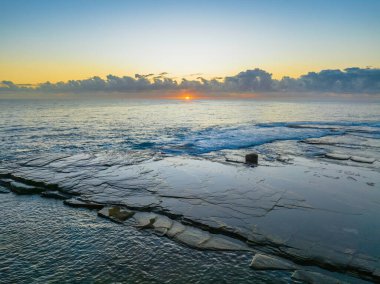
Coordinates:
[8,85]
[250,81]
[351,80]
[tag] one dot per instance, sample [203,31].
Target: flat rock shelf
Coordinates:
[313,214]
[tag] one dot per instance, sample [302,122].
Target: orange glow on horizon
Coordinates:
[186,95]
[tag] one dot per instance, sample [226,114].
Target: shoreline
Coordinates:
[159,177]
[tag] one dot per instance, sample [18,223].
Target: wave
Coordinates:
[195,142]
[326,123]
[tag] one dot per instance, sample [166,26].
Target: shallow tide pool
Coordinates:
[43,241]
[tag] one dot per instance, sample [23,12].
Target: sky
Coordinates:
[61,40]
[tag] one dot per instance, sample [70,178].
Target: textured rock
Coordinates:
[193,237]
[336,156]
[145,220]
[219,242]
[115,213]
[175,229]
[187,235]
[252,158]
[311,277]
[312,211]
[267,262]
[162,224]
[362,159]
[84,204]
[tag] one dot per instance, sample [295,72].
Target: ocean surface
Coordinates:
[175,127]
[43,241]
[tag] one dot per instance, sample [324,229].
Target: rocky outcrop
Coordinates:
[342,157]
[336,156]
[297,212]
[362,159]
[267,262]
[188,235]
[115,213]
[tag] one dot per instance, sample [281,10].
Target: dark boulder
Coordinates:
[252,158]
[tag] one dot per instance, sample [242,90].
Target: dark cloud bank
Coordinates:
[349,81]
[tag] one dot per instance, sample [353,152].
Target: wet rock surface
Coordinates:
[336,156]
[115,213]
[351,148]
[311,277]
[362,159]
[188,235]
[267,262]
[313,213]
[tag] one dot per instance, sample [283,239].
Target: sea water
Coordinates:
[176,127]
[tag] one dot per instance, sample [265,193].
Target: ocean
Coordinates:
[170,126]
[315,190]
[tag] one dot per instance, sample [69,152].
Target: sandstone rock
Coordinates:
[217,242]
[21,188]
[193,237]
[162,224]
[145,220]
[188,235]
[267,262]
[84,204]
[311,277]
[115,213]
[336,156]
[362,159]
[175,229]
[252,158]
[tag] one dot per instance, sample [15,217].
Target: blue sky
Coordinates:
[61,40]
